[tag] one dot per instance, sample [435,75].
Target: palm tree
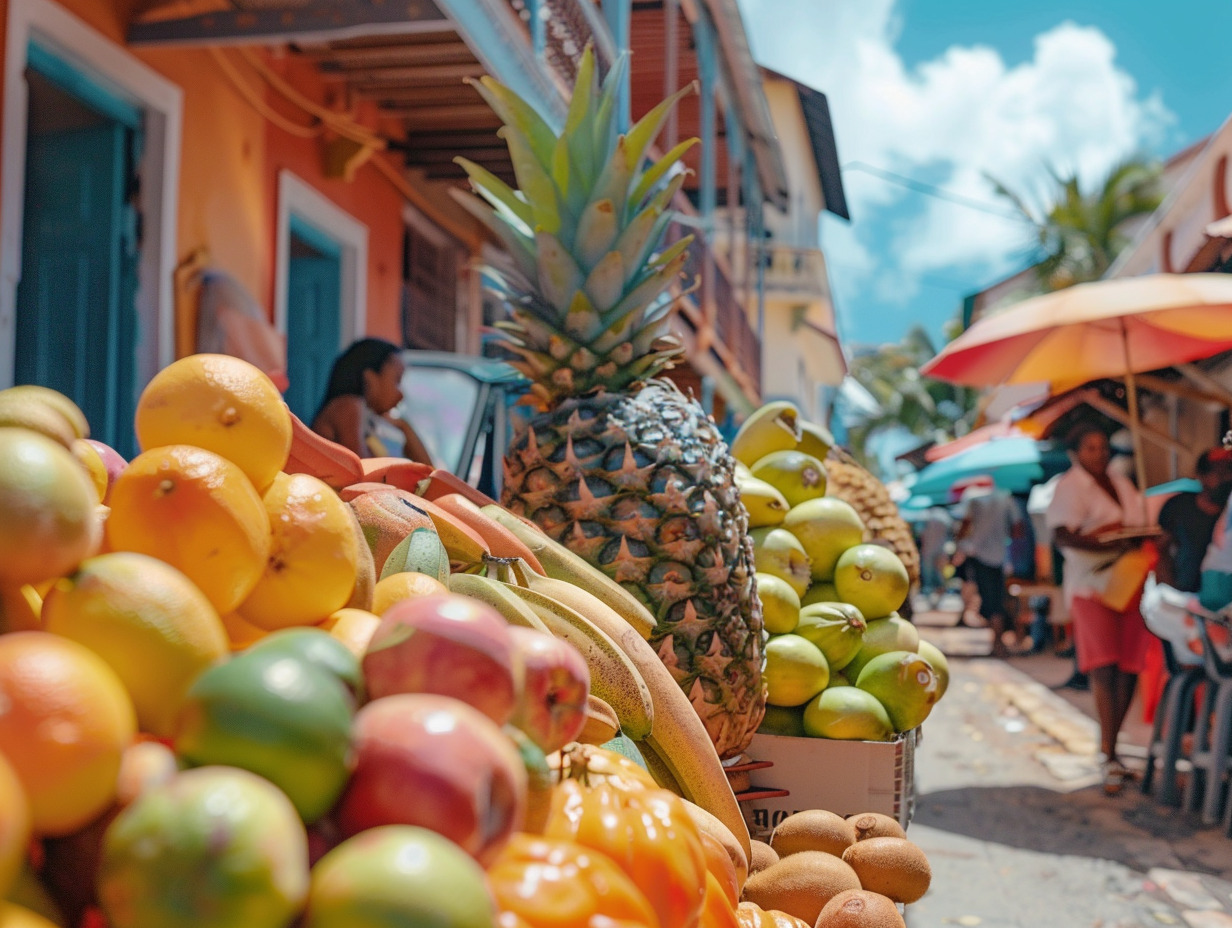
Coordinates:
[1079,233]
[928,409]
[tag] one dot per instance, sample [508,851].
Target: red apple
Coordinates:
[437,763]
[448,645]
[555,683]
[113,462]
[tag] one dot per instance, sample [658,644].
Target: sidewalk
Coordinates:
[1015,825]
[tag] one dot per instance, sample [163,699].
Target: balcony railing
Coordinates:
[799,271]
[718,302]
[559,31]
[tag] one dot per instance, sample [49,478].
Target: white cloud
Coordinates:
[950,121]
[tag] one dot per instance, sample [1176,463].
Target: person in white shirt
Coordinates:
[1089,502]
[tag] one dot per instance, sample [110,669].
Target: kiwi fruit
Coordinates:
[894,867]
[801,884]
[761,856]
[813,830]
[860,908]
[875,825]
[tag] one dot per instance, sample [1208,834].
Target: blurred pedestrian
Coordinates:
[933,539]
[1089,506]
[1187,521]
[990,519]
[357,411]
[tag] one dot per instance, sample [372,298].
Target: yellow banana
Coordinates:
[562,564]
[499,596]
[678,736]
[773,427]
[613,677]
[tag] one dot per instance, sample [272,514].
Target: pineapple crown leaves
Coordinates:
[590,308]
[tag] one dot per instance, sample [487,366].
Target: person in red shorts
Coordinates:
[1111,646]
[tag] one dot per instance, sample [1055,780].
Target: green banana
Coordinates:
[562,564]
[613,677]
[773,427]
[499,596]
[422,552]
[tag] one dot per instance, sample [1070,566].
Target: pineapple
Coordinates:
[620,466]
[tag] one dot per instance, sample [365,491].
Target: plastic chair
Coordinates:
[1213,731]
[1174,718]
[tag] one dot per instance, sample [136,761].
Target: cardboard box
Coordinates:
[844,777]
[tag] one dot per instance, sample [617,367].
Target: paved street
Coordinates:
[1018,831]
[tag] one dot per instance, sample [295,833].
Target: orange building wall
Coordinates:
[230,159]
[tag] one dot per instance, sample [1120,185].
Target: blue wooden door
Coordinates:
[314,310]
[76,327]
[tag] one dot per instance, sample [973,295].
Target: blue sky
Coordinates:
[945,91]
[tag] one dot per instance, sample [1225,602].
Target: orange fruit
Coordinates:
[66,723]
[199,513]
[406,584]
[148,621]
[240,632]
[222,404]
[353,627]
[313,559]
[48,517]
[14,826]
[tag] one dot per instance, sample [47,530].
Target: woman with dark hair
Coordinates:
[363,390]
[1089,503]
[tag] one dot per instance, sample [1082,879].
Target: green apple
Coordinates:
[872,579]
[798,476]
[777,551]
[836,632]
[941,666]
[904,683]
[783,720]
[780,606]
[826,526]
[847,713]
[796,670]
[880,637]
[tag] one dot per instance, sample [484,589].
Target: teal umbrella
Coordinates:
[1014,464]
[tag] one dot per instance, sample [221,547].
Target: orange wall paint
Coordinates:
[230,159]
[369,198]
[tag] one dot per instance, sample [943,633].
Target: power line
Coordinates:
[930,190]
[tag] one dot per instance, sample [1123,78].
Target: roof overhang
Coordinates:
[750,100]
[815,109]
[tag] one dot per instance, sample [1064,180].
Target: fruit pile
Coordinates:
[233,693]
[840,661]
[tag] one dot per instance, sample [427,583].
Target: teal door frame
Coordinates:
[314,314]
[76,322]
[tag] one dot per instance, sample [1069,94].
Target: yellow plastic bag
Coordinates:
[1126,576]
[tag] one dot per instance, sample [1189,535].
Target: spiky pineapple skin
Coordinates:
[641,485]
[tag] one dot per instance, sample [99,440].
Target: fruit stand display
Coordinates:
[248,680]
